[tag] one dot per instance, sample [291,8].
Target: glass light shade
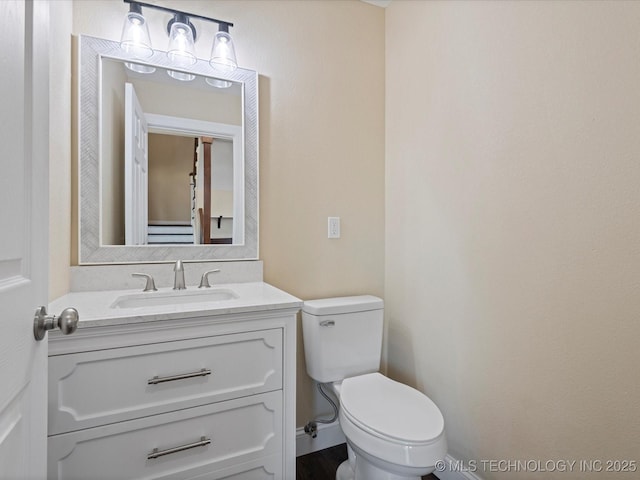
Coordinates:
[223,53]
[182,76]
[181,50]
[135,38]
[216,82]
[136,67]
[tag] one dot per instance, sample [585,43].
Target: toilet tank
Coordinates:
[342,336]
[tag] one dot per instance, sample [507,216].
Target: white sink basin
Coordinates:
[173,297]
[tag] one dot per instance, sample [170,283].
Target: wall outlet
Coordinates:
[333,227]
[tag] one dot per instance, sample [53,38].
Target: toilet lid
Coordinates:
[391,409]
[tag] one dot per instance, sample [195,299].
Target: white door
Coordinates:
[136,175]
[24,211]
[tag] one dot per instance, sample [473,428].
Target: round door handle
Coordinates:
[67,322]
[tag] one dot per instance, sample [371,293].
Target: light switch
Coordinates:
[334,227]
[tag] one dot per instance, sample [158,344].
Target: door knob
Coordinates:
[67,322]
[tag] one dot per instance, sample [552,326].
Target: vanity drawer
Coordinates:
[269,468]
[244,436]
[106,386]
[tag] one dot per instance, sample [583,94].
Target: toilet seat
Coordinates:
[392,421]
[390,409]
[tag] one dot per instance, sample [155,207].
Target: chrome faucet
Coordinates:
[204,281]
[178,280]
[150,285]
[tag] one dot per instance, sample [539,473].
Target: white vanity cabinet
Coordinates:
[191,397]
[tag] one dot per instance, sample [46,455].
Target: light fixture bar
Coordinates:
[222,23]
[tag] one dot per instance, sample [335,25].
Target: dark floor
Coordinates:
[322,465]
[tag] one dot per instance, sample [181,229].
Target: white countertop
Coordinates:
[95,307]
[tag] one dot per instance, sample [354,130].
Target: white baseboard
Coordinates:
[329,435]
[454,473]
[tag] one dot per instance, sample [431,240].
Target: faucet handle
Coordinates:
[150,286]
[204,281]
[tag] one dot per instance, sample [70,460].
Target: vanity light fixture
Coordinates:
[218,83]
[182,36]
[223,53]
[135,39]
[182,49]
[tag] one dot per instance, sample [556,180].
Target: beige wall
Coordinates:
[321,89]
[170,162]
[60,147]
[321,151]
[197,104]
[112,160]
[513,240]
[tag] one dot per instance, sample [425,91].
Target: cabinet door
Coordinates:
[176,445]
[107,386]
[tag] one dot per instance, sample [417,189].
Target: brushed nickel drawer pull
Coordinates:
[201,373]
[159,453]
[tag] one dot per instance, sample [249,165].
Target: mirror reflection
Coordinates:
[194,109]
[171,158]
[178,167]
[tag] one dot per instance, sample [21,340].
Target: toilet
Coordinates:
[393,431]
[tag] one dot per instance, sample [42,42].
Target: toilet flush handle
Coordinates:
[328,323]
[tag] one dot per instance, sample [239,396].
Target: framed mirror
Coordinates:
[168,159]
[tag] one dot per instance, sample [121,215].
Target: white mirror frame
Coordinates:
[91,251]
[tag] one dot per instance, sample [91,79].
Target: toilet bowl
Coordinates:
[393,431]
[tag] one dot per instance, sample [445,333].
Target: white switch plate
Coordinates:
[333,227]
